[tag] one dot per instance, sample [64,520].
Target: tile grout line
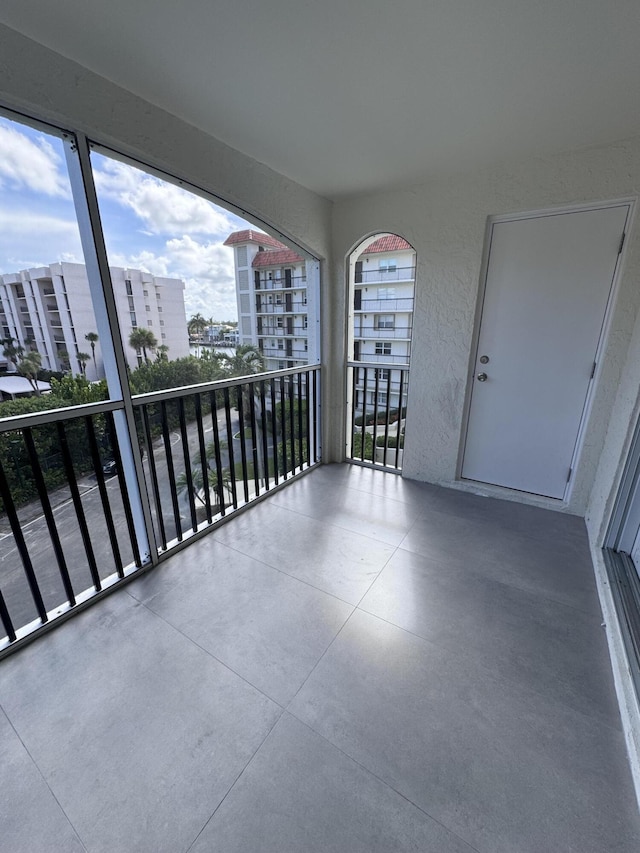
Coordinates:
[302,580]
[327,523]
[42,776]
[380,779]
[321,658]
[344,624]
[588,717]
[210,654]
[267,566]
[509,584]
[236,780]
[347,488]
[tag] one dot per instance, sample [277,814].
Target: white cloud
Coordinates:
[220,304]
[145,261]
[205,268]
[57,239]
[31,164]
[205,260]
[163,208]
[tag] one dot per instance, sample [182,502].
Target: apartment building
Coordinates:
[50,309]
[383,294]
[274,302]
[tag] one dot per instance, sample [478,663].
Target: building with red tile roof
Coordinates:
[388,243]
[250,236]
[271,292]
[276,257]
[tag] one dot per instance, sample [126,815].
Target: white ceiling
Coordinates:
[346,96]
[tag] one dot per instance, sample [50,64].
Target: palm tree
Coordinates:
[197,479]
[12,349]
[29,366]
[83,358]
[63,355]
[143,339]
[196,325]
[92,337]
[161,353]
[246,360]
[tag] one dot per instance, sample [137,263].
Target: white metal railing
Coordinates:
[279,284]
[374,334]
[295,307]
[383,275]
[399,305]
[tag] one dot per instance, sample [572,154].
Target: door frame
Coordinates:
[629,202]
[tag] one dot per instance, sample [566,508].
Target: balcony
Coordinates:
[384,275]
[296,307]
[382,359]
[369,333]
[359,662]
[280,284]
[398,306]
[80,514]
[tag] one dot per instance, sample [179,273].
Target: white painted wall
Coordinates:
[445,222]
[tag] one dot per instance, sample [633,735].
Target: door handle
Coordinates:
[482,377]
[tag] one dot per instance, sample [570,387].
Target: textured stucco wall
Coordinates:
[446,222]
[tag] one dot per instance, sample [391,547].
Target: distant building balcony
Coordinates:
[295,307]
[280,284]
[383,275]
[385,334]
[400,305]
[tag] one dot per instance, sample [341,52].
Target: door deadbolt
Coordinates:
[484,359]
[482,377]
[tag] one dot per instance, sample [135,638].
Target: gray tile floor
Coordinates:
[359,663]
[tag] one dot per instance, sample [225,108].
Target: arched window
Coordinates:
[380,321]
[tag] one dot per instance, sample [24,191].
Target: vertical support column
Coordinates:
[115,365]
[316,345]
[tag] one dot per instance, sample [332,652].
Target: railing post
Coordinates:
[95,254]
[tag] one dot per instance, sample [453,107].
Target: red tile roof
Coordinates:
[276,258]
[250,236]
[390,243]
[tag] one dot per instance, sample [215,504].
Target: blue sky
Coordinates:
[149,224]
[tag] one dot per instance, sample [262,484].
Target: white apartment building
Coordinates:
[383,293]
[50,309]
[276,309]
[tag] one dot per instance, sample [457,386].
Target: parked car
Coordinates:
[109,467]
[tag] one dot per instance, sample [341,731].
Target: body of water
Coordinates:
[196,350]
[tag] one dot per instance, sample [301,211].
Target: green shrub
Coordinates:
[382,417]
[356,450]
[392,441]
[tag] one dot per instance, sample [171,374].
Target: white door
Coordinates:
[547,287]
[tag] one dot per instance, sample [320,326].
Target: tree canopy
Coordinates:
[143,339]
